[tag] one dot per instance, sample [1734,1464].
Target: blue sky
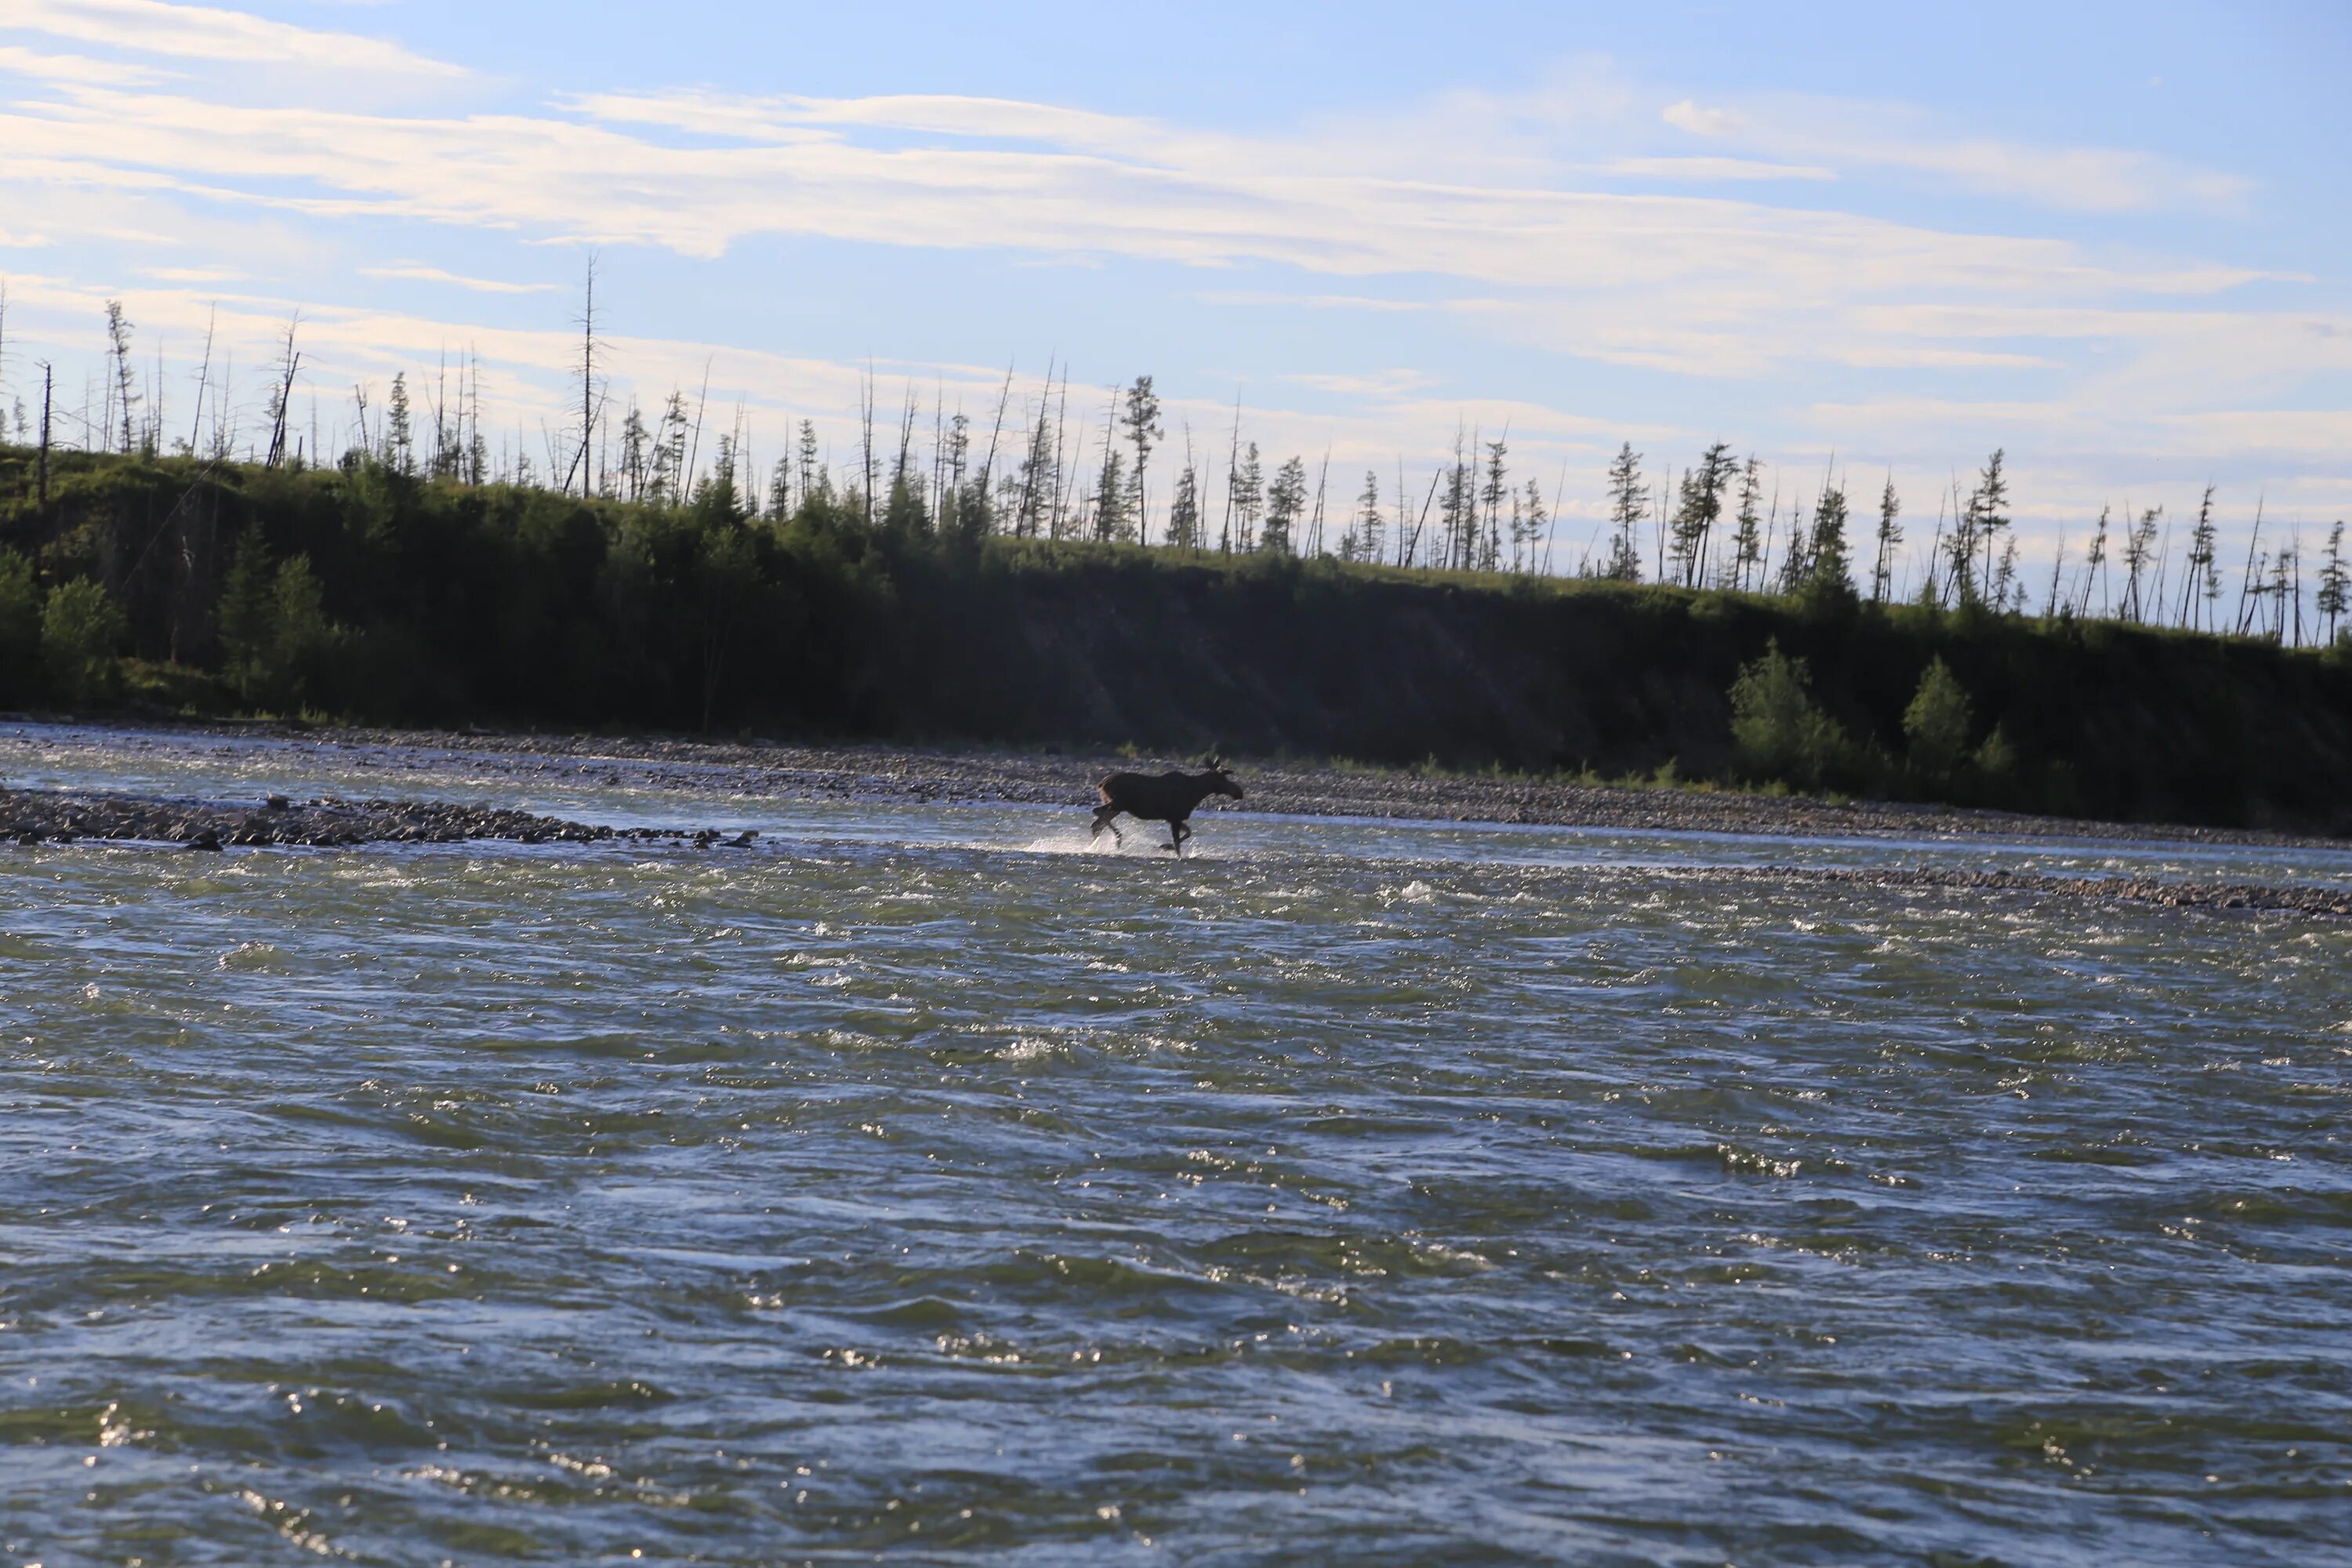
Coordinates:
[2112,239]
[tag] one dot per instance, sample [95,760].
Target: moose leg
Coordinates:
[1177,833]
[1102,820]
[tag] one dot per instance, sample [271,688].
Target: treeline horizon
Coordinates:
[366,593]
[1037,470]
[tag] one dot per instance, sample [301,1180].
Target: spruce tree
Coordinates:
[1285,499]
[1747,541]
[1142,422]
[2333,582]
[1828,566]
[1364,539]
[1890,534]
[1110,499]
[247,616]
[2202,572]
[399,435]
[1700,503]
[1247,488]
[1628,500]
[1528,521]
[1184,531]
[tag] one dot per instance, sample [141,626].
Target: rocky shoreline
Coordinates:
[29,817]
[924,775]
[2306,901]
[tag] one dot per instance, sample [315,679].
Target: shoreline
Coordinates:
[979,775]
[34,818]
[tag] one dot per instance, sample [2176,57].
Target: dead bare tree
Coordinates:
[589,402]
[117,335]
[283,398]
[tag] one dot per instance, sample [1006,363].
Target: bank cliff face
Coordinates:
[2099,718]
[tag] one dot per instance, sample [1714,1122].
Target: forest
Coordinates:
[972,580]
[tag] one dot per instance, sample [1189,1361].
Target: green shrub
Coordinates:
[20,628]
[1996,758]
[80,629]
[1937,723]
[1781,732]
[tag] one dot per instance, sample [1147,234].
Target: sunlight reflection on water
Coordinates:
[1355,1191]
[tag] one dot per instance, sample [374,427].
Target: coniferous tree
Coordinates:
[399,434]
[1829,567]
[2008,592]
[2139,554]
[1246,487]
[1184,528]
[807,456]
[2203,578]
[780,490]
[247,616]
[1285,499]
[1530,522]
[1628,499]
[1457,510]
[1984,516]
[2333,582]
[1747,539]
[1110,499]
[1697,508]
[1142,422]
[1363,540]
[1490,496]
[1989,505]
[1890,534]
[118,337]
[2095,565]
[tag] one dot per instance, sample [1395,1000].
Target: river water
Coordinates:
[919,1184]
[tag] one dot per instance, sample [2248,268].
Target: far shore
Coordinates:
[1066,776]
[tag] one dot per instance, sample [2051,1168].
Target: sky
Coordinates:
[2112,240]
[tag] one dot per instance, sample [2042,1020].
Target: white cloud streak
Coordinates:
[219,36]
[1860,136]
[1508,211]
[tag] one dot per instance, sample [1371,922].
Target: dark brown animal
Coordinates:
[1170,798]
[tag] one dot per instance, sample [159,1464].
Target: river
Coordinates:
[919,1182]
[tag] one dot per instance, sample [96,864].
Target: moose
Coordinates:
[1170,798]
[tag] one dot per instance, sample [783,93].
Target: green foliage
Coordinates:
[424,601]
[303,639]
[20,628]
[81,629]
[279,644]
[1781,732]
[249,618]
[1937,723]
[1996,758]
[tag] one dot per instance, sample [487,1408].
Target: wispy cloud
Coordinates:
[1587,217]
[1701,168]
[1849,135]
[222,37]
[83,69]
[424,274]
